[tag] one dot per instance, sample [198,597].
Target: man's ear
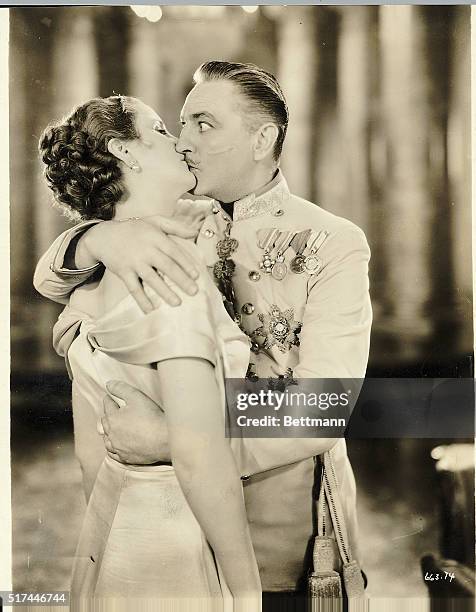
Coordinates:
[118,148]
[265,139]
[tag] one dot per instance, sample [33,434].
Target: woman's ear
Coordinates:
[265,139]
[118,148]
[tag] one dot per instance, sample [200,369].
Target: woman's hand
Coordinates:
[139,250]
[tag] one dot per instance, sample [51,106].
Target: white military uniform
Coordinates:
[315,324]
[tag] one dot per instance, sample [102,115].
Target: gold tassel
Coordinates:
[353,580]
[324,582]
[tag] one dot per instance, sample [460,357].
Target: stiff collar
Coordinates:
[269,199]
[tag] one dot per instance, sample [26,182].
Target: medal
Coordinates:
[280,269]
[267,264]
[226,247]
[312,263]
[299,243]
[223,271]
[266,242]
[278,328]
[297,264]
[224,268]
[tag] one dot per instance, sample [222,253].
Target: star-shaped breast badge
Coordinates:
[278,329]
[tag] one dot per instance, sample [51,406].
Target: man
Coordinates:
[293,275]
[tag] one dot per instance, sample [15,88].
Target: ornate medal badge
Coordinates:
[267,264]
[223,271]
[224,268]
[266,242]
[226,247]
[278,329]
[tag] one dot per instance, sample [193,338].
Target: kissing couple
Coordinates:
[166,295]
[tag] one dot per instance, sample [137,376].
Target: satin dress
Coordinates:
[140,538]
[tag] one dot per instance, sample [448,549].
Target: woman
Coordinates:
[148,529]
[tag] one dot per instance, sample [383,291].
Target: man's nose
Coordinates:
[183,144]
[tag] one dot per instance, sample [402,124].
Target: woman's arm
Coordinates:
[75,255]
[207,471]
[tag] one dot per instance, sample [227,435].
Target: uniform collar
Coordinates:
[268,199]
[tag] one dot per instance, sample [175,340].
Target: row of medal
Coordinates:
[275,243]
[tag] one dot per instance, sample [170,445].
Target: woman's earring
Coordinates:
[135,167]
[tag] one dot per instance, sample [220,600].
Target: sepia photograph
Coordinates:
[206,194]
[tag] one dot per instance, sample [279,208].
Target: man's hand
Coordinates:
[140,250]
[137,432]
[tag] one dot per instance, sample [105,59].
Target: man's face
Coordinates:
[217,145]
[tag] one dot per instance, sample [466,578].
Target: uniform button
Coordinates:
[246,477]
[208,233]
[279,212]
[254,275]
[255,347]
[248,308]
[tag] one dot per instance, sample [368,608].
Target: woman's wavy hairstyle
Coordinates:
[85,178]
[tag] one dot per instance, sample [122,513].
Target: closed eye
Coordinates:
[160,128]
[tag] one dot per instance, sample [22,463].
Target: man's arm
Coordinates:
[55,276]
[149,444]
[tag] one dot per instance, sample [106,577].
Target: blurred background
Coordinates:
[379,98]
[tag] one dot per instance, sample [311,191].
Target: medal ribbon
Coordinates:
[316,241]
[268,240]
[282,243]
[300,240]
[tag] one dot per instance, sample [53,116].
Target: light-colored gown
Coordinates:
[139,537]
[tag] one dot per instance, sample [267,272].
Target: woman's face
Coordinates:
[155,152]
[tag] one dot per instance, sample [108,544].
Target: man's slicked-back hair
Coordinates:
[261,89]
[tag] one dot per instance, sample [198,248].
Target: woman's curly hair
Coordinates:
[84,177]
